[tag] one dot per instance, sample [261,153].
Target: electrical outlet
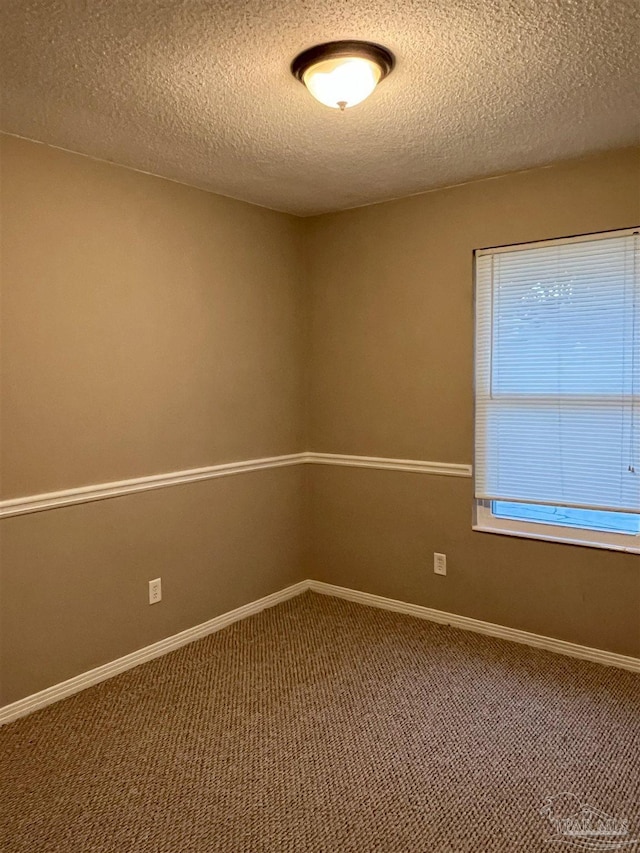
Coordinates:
[440,564]
[155,591]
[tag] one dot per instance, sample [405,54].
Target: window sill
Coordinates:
[569,538]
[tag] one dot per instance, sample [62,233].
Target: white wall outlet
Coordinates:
[440,564]
[155,591]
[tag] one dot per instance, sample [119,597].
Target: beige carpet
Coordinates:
[322,725]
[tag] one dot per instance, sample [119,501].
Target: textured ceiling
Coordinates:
[200,90]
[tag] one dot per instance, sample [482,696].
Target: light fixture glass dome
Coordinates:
[341,74]
[342,82]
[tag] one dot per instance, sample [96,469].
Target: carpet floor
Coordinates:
[331,727]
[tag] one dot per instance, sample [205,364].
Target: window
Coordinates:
[557,451]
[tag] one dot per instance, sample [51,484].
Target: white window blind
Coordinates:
[558,373]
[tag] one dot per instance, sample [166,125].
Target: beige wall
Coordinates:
[74,580]
[392,375]
[147,327]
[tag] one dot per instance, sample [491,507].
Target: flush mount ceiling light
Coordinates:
[341,74]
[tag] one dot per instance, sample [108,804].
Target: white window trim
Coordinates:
[484,521]
[560,241]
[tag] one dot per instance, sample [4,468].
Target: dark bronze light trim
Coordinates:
[335,49]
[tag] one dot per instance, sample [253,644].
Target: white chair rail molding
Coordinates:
[104,491]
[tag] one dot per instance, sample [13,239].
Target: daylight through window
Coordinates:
[558,390]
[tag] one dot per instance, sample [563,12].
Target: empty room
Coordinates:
[319,426]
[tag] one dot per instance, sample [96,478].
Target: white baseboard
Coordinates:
[108,670]
[468,624]
[162,647]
